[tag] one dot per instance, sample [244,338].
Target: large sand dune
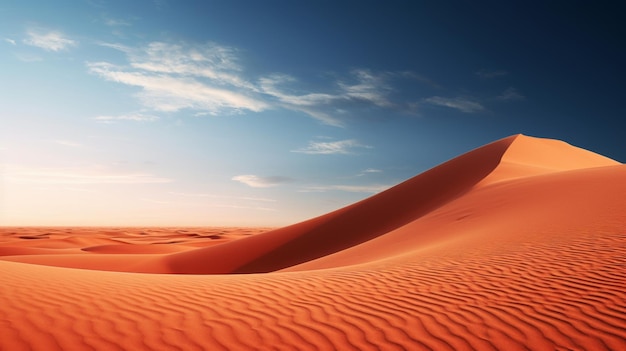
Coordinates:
[517,245]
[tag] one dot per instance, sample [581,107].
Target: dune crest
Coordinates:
[527,156]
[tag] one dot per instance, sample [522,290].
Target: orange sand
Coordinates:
[517,245]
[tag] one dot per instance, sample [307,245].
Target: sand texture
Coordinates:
[517,245]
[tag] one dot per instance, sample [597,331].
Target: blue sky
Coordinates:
[270,112]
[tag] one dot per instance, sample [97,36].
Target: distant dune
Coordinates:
[517,245]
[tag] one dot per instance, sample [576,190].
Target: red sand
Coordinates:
[517,245]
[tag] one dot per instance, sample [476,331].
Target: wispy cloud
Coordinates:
[367,87]
[118,47]
[370,189]
[227,197]
[491,73]
[48,40]
[216,201]
[209,79]
[261,182]
[137,117]
[223,201]
[216,62]
[10,41]
[270,86]
[457,103]
[510,94]
[241,207]
[323,117]
[173,84]
[362,87]
[73,175]
[369,171]
[342,147]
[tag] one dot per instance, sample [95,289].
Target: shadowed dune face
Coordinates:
[351,225]
[391,209]
[518,245]
[506,159]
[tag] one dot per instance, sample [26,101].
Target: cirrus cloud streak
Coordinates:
[256,181]
[75,175]
[341,147]
[209,79]
[48,40]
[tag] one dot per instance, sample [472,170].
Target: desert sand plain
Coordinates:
[517,245]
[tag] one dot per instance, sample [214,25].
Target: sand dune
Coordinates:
[517,245]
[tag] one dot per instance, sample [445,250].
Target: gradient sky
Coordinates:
[250,113]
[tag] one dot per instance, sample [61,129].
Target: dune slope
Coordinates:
[506,159]
[495,250]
